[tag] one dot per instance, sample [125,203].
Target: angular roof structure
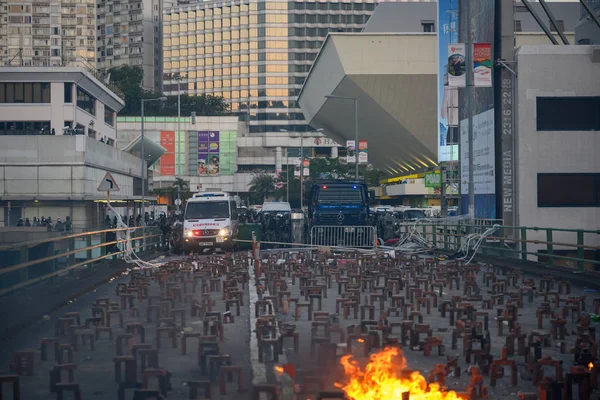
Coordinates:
[394,78]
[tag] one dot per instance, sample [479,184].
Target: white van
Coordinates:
[210,221]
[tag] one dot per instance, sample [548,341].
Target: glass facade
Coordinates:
[256,54]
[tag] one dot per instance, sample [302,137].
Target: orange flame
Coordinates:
[278,370]
[382,379]
[591,366]
[360,340]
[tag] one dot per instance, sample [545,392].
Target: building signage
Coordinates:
[350,151]
[433,180]
[167,160]
[482,64]
[508,188]
[457,65]
[447,100]
[363,151]
[209,148]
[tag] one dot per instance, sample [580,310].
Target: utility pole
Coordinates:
[301,171]
[469,88]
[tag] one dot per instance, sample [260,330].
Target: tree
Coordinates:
[261,186]
[281,193]
[373,176]
[129,80]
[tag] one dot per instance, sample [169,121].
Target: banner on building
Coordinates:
[457,65]
[363,151]
[484,160]
[350,151]
[208,153]
[167,160]
[433,180]
[447,99]
[482,64]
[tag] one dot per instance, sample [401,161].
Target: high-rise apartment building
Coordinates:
[130,33]
[254,53]
[48,33]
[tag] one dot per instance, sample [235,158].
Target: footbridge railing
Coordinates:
[575,248]
[26,263]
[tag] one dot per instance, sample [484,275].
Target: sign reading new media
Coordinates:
[433,179]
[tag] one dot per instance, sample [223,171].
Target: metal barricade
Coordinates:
[344,236]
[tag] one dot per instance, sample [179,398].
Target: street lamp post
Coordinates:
[178,78]
[355,99]
[143,211]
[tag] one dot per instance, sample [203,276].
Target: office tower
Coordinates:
[48,33]
[129,33]
[256,54]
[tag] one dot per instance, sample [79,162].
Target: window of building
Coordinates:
[559,23]
[518,26]
[568,190]
[68,92]
[86,101]
[109,116]
[568,113]
[428,26]
[27,93]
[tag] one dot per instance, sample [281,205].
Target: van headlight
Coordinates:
[188,233]
[224,232]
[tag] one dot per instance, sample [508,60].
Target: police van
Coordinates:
[210,222]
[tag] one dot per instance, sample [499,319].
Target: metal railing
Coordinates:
[26,263]
[575,248]
[344,236]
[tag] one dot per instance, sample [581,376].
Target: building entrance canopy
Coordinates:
[394,77]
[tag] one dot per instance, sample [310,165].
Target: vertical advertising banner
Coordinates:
[363,152]
[484,162]
[482,64]
[457,65]
[208,153]
[350,151]
[305,168]
[448,137]
[167,161]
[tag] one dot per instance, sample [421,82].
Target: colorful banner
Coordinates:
[167,160]
[457,65]
[350,151]
[482,64]
[363,152]
[208,153]
[448,136]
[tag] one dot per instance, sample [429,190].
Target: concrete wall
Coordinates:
[535,38]
[554,71]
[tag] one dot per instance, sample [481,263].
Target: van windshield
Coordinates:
[207,210]
[414,214]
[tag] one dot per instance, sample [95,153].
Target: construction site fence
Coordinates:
[27,263]
[575,248]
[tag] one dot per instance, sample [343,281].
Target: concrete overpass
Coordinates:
[393,76]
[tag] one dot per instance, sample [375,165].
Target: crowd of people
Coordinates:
[59,226]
